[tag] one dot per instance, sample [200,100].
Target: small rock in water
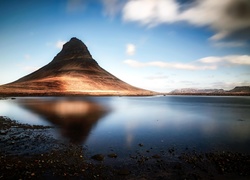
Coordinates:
[98,157]
[3,132]
[113,155]
[156,156]
[140,144]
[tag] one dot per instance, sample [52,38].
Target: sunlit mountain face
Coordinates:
[72,71]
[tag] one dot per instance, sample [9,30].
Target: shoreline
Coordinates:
[6,96]
[29,151]
[208,94]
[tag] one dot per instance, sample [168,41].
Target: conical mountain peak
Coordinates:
[72,71]
[73,49]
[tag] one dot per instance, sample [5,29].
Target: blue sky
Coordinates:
[159,45]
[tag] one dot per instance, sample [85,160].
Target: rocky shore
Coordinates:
[29,151]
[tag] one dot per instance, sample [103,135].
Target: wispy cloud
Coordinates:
[27,56]
[228,18]
[150,12]
[75,5]
[206,63]
[227,60]
[190,84]
[130,49]
[157,77]
[112,7]
[228,44]
[59,44]
[30,68]
[172,65]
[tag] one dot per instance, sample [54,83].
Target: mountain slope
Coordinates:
[72,71]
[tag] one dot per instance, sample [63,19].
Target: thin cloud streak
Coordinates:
[27,56]
[160,64]
[157,77]
[112,7]
[229,60]
[30,68]
[229,44]
[206,63]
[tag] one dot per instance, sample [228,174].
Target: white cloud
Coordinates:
[112,7]
[229,44]
[210,59]
[227,60]
[157,77]
[27,56]
[130,49]
[30,68]
[59,44]
[160,64]
[227,18]
[151,12]
[206,63]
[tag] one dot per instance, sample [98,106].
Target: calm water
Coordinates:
[105,124]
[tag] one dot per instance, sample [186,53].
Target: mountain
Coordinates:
[192,90]
[241,89]
[73,71]
[238,90]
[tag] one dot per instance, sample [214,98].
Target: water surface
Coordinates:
[119,124]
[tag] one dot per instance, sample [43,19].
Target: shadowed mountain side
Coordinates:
[74,118]
[72,71]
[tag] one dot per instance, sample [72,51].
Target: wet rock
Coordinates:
[156,156]
[140,144]
[123,172]
[98,157]
[171,150]
[112,155]
[3,132]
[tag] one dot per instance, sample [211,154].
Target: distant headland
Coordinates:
[237,91]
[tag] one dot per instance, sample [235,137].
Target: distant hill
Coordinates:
[73,71]
[192,90]
[239,90]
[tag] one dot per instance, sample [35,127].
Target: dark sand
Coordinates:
[32,152]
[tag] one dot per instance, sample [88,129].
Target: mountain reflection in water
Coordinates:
[75,118]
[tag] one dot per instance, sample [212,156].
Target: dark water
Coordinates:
[119,124]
